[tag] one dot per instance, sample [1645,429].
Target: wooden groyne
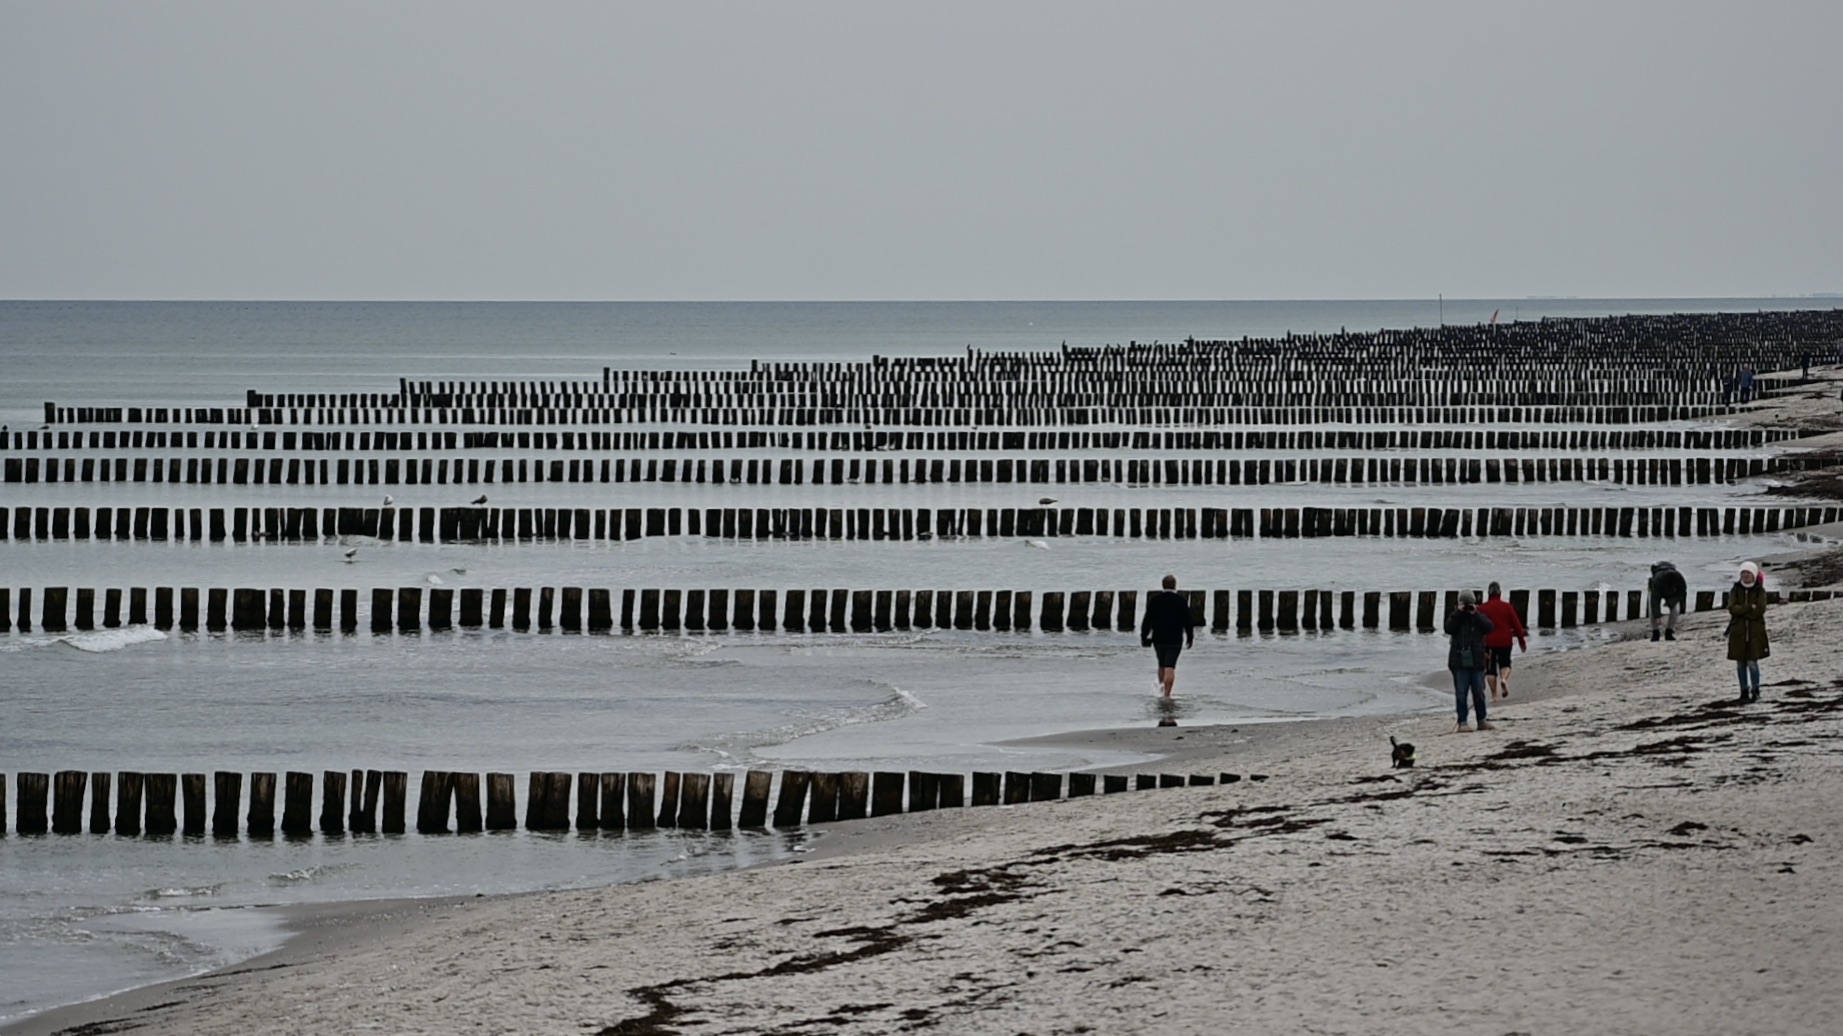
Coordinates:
[836,471]
[360,802]
[489,524]
[887,441]
[1617,370]
[569,609]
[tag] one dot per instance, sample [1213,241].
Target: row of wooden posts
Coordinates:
[486,524]
[789,471]
[1368,440]
[552,609]
[1177,412]
[376,801]
[1631,369]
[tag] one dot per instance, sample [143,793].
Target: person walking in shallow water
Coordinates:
[1466,629]
[1167,630]
[1747,630]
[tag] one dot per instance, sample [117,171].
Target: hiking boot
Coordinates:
[1654,636]
[1670,634]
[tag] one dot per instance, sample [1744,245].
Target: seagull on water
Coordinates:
[481,499]
[351,555]
[1039,544]
[1046,501]
[389,501]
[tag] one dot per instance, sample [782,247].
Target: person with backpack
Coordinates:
[1669,593]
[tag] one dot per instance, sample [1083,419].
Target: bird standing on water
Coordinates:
[481,499]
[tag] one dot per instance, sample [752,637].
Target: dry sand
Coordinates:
[1630,852]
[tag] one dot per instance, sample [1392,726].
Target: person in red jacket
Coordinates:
[1506,626]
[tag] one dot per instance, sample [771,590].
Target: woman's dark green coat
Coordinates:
[1747,625]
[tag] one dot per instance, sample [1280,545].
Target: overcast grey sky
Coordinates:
[933,150]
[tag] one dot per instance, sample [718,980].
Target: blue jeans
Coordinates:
[1469,684]
[1746,669]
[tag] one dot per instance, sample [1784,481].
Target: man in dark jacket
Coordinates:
[1467,628]
[1669,593]
[1167,630]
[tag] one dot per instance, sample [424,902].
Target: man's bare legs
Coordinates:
[1167,676]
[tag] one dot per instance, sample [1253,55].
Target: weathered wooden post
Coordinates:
[822,807]
[102,782]
[396,796]
[951,789]
[67,788]
[128,787]
[192,796]
[755,787]
[33,789]
[1113,783]
[380,611]
[1045,787]
[694,801]
[791,802]
[1081,784]
[260,822]
[501,802]
[365,807]
[722,794]
[297,804]
[1017,788]
[611,815]
[924,791]
[588,800]
[640,802]
[227,803]
[1425,619]
[1051,620]
[886,793]
[464,790]
[850,796]
[669,783]
[432,796]
[986,788]
[332,802]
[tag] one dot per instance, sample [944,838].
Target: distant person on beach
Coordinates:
[1668,593]
[1747,629]
[1167,630]
[1466,629]
[1506,626]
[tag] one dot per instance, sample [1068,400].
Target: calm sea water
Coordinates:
[80,916]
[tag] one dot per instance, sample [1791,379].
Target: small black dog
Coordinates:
[1401,754]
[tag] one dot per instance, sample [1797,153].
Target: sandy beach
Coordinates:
[1629,852]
